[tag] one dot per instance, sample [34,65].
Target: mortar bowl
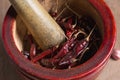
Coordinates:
[14,30]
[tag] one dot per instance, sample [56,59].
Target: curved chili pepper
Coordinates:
[43,54]
[70,27]
[66,47]
[68,24]
[77,50]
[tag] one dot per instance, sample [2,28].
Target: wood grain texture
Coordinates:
[46,32]
[110,72]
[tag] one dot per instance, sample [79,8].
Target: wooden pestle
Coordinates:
[40,24]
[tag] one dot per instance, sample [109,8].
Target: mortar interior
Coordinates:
[81,7]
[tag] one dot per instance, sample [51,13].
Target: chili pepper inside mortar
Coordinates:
[83,40]
[90,37]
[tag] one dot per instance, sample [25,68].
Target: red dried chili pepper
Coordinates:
[68,24]
[66,47]
[43,54]
[32,51]
[53,14]
[70,27]
[77,50]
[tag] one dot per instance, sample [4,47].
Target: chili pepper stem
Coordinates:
[79,31]
[60,14]
[73,26]
[72,10]
[57,2]
[82,54]
[77,34]
[64,19]
[73,60]
[88,37]
[79,59]
[82,32]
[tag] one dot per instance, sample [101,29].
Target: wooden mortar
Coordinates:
[40,24]
[97,9]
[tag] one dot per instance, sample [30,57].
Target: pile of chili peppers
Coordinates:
[82,41]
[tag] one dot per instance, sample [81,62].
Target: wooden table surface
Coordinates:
[110,72]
